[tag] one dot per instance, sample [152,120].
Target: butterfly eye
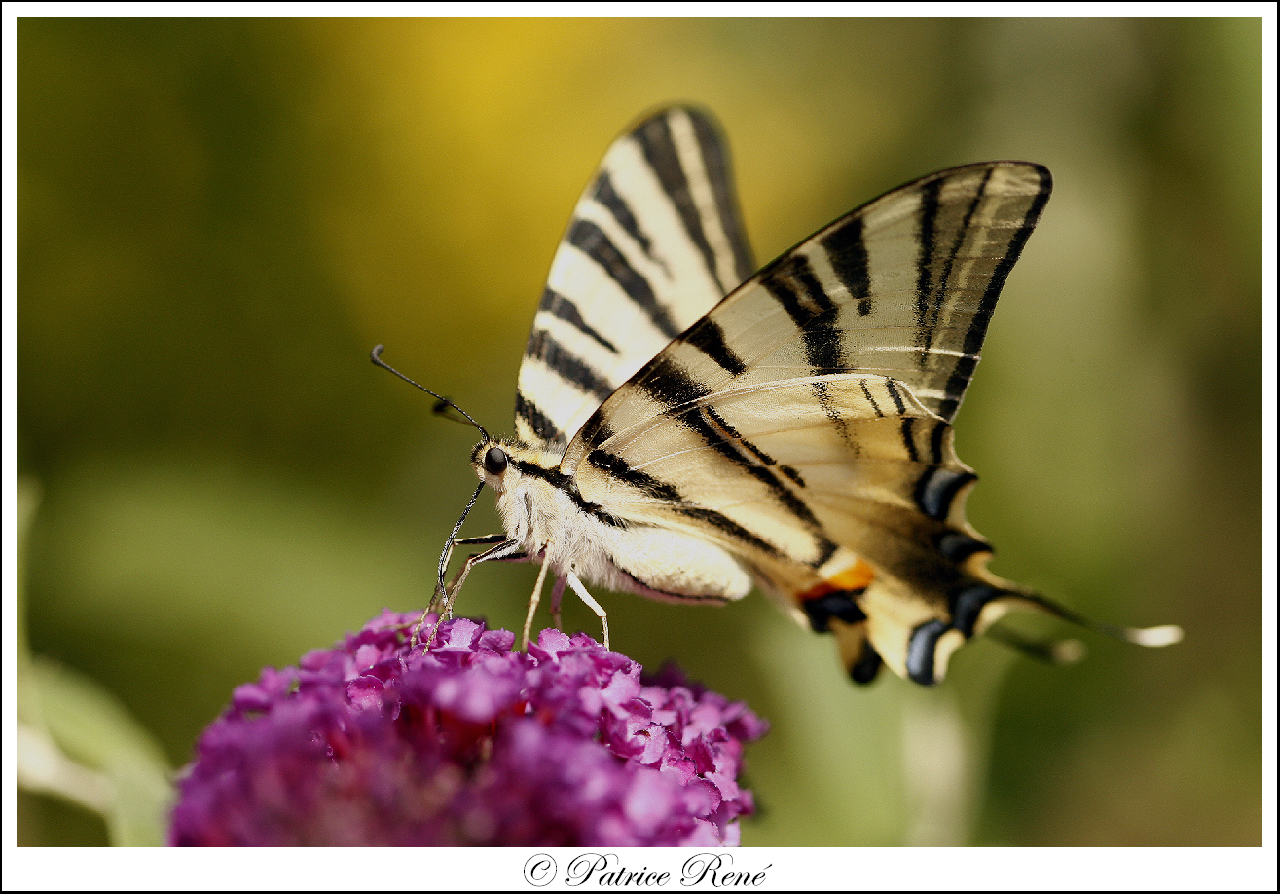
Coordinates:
[495,461]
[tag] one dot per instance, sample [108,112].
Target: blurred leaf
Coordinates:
[94,732]
[77,741]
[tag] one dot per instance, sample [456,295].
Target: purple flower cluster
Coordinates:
[377,742]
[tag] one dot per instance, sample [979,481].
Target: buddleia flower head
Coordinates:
[380,742]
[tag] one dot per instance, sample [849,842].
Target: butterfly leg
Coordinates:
[533,605]
[557,593]
[577,587]
[441,590]
[505,551]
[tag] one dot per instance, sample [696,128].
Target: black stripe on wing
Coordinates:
[607,196]
[927,298]
[670,495]
[539,423]
[729,443]
[866,392]
[717,164]
[587,236]
[669,384]
[937,487]
[848,255]
[568,486]
[658,146]
[566,365]
[977,332]
[793,284]
[707,336]
[562,308]
[908,436]
[931,294]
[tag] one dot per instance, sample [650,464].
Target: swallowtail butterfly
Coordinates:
[687,427]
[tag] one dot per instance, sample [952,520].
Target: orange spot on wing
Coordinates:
[856,577]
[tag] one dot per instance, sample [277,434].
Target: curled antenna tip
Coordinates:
[376,357]
[1155,637]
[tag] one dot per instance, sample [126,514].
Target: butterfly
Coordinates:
[688,428]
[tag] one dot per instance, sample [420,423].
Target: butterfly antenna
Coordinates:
[376,357]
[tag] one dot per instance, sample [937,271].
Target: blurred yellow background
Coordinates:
[218,218]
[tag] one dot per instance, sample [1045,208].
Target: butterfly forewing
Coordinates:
[803,423]
[903,287]
[655,241]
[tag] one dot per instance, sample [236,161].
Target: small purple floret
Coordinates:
[378,743]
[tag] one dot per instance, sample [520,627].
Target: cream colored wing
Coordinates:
[654,243]
[804,422]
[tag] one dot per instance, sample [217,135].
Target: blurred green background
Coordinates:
[218,218]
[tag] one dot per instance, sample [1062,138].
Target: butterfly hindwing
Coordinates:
[655,241]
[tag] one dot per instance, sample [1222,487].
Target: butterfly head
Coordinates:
[503,464]
[492,461]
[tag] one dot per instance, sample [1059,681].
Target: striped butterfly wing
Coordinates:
[655,241]
[804,423]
